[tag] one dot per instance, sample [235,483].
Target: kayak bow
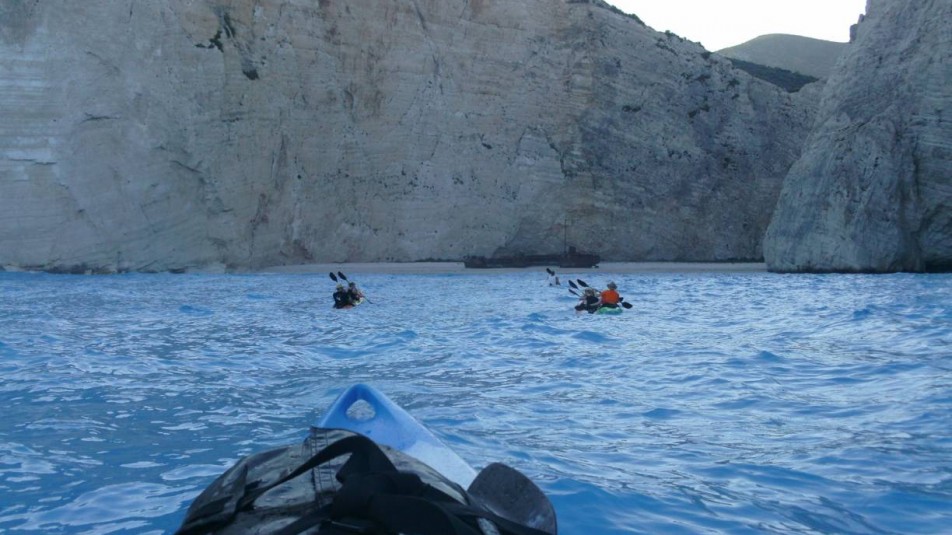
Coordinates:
[385,422]
[499,487]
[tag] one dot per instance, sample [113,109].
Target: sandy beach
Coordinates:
[422,268]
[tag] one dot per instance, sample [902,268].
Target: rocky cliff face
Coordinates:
[873,189]
[172,134]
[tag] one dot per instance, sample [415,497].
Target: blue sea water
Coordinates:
[722,403]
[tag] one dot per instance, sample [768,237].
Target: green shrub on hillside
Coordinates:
[788,80]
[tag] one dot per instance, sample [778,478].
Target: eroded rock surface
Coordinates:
[873,189]
[174,134]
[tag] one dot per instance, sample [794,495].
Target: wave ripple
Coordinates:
[721,403]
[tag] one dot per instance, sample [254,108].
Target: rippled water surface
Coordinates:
[722,403]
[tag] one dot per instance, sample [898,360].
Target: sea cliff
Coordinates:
[174,134]
[873,189]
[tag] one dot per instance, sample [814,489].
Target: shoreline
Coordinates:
[439,268]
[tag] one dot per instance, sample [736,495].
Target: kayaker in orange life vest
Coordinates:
[610,297]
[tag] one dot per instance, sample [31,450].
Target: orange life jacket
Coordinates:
[610,297]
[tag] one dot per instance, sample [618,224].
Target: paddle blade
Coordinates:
[626,304]
[549,271]
[341,275]
[333,277]
[573,292]
[582,283]
[513,496]
[572,284]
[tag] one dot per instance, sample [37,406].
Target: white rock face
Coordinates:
[873,189]
[173,134]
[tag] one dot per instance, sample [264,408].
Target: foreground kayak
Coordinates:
[369,467]
[365,410]
[502,489]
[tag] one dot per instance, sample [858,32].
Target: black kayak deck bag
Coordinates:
[342,483]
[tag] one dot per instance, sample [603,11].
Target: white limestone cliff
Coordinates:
[174,134]
[873,189]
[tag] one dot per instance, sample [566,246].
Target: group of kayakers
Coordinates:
[591,299]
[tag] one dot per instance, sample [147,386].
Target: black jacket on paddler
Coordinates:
[341,298]
[589,302]
[338,482]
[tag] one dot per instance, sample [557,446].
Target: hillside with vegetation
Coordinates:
[804,55]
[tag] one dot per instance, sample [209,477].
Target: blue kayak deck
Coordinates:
[387,423]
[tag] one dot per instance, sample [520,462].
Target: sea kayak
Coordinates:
[365,410]
[609,310]
[503,490]
[369,467]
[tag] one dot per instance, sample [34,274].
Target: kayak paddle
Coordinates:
[513,496]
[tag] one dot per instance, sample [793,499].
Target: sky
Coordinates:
[718,24]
